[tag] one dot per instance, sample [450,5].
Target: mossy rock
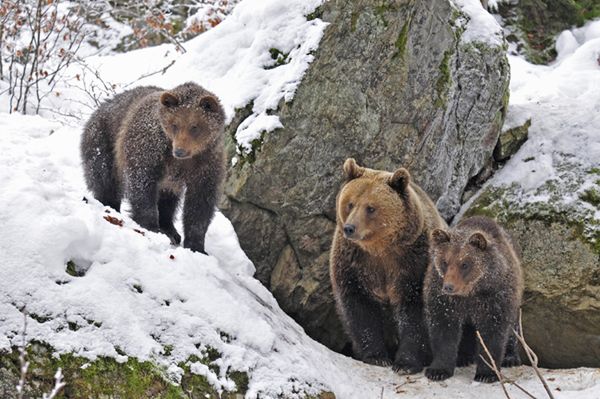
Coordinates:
[536,23]
[104,378]
[561,264]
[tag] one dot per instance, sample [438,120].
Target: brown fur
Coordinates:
[150,144]
[382,263]
[474,279]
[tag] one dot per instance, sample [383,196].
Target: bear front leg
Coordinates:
[511,355]
[412,339]
[495,339]
[467,349]
[445,329]
[363,319]
[198,211]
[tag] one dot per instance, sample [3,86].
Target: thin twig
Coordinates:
[533,359]
[161,71]
[492,364]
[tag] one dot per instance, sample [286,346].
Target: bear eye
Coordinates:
[444,266]
[350,205]
[464,266]
[174,128]
[370,209]
[194,130]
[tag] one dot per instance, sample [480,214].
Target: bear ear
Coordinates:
[352,170]
[400,180]
[209,104]
[439,236]
[169,99]
[478,240]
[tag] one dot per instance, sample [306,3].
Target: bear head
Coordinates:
[378,210]
[192,118]
[460,259]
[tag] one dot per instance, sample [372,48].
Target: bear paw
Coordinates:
[486,377]
[378,361]
[438,374]
[172,234]
[511,361]
[406,369]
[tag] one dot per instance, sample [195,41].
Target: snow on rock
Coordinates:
[479,25]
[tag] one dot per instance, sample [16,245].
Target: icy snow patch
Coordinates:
[481,26]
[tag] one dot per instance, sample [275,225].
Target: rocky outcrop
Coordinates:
[392,84]
[534,24]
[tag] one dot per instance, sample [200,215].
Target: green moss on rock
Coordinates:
[445,78]
[107,378]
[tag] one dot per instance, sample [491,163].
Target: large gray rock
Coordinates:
[392,84]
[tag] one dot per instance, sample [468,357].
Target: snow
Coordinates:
[558,163]
[138,296]
[480,26]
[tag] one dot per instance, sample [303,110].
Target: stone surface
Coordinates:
[561,263]
[510,141]
[392,84]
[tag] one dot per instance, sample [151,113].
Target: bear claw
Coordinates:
[487,378]
[512,361]
[378,361]
[438,374]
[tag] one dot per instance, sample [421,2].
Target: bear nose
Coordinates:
[448,288]
[180,153]
[349,229]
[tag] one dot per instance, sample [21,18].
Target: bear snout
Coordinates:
[448,288]
[349,230]
[180,153]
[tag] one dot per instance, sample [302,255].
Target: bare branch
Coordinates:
[533,359]
[492,364]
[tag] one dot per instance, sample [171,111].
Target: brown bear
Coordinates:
[378,262]
[151,145]
[474,282]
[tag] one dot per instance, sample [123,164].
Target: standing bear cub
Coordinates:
[474,282]
[378,262]
[150,145]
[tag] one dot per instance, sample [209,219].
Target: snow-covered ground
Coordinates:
[144,298]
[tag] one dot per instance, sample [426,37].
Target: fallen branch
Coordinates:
[533,359]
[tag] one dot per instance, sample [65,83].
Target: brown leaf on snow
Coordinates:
[113,220]
[140,232]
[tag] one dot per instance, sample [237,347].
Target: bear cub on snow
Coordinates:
[474,282]
[378,262]
[151,145]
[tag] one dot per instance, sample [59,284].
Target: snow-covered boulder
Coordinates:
[421,84]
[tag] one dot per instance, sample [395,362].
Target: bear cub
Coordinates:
[150,146]
[378,261]
[474,282]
